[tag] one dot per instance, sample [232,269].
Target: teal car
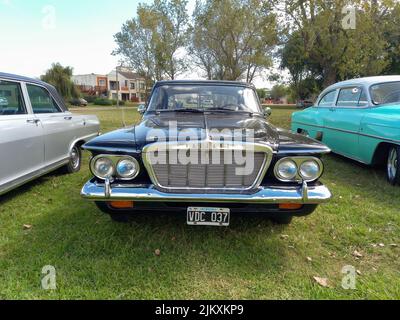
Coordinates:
[359,119]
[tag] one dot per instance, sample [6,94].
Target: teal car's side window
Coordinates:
[328,99]
[352,97]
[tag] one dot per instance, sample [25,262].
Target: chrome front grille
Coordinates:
[207,176]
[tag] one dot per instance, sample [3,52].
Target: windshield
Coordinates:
[200,98]
[385,93]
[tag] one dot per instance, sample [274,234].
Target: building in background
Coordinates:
[132,87]
[92,84]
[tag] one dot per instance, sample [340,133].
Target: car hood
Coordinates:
[199,126]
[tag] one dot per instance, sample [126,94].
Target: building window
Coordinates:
[132,85]
[113,85]
[102,82]
[142,85]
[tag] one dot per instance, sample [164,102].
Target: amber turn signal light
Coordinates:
[121,204]
[290,206]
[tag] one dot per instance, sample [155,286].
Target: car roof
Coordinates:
[49,87]
[364,81]
[15,77]
[205,82]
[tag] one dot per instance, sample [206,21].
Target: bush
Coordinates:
[90,99]
[103,102]
[107,102]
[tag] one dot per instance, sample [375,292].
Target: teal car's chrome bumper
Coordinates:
[302,194]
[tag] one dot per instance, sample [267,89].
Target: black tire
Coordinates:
[114,214]
[393,165]
[282,220]
[74,164]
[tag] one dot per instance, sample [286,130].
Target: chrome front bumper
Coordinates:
[303,194]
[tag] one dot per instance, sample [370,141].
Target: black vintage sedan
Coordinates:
[205,149]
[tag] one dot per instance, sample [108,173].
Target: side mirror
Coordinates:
[267,112]
[142,109]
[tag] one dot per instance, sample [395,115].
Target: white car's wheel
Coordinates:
[393,165]
[74,164]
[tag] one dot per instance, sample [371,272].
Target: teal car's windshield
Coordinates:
[200,98]
[385,93]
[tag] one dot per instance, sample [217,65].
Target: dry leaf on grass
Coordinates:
[27,227]
[309,259]
[357,254]
[322,282]
[157,252]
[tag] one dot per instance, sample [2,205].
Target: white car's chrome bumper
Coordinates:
[303,194]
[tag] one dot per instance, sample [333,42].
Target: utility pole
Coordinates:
[116,75]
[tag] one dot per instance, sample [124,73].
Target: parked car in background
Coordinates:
[283,180]
[37,132]
[301,104]
[79,102]
[359,119]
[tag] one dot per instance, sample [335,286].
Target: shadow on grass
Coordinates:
[27,187]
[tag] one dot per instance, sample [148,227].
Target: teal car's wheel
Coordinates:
[393,165]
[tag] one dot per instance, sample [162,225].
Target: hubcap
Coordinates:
[392,163]
[75,157]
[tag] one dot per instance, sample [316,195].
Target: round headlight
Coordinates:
[310,170]
[103,168]
[287,170]
[128,168]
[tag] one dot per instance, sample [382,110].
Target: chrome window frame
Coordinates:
[22,93]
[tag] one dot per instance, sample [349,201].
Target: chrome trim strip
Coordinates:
[348,131]
[274,194]
[179,145]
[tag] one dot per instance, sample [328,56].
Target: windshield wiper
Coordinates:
[230,110]
[181,110]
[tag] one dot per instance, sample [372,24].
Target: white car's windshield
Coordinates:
[385,93]
[200,98]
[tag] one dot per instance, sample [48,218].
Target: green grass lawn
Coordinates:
[253,259]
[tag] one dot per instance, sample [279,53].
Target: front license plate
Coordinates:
[218,217]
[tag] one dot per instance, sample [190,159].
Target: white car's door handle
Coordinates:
[34,121]
[67,118]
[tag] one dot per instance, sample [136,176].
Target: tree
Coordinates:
[279,91]
[60,78]
[327,49]
[233,39]
[150,43]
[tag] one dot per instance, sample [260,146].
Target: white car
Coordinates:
[37,132]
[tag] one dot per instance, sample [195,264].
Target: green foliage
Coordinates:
[262,93]
[279,91]
[103,102]
[150,42]
[317,45]
[90,99]
[107,102]
[233,39]
[60,78]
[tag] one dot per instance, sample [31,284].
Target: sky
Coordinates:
[77,33]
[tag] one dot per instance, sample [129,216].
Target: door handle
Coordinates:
[67,118]
[34,121]
[332,109]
